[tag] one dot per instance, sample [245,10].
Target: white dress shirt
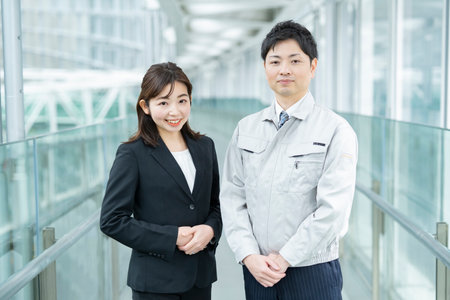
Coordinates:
[184,160]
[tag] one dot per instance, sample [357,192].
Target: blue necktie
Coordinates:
[283,118]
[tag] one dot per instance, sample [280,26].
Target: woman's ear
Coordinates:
[144,106]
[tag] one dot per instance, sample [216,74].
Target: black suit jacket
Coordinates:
[147,198]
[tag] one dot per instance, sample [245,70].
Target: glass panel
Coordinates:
[26,293]
[421,61]
[404,163]
[81,272]
[346,64]
[408,269]
[356,251]
[416,190]
[322,85]
[17,208]
[445,206]
[375,57]
[71,174]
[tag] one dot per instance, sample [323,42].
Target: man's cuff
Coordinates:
[242,254]
[288,256]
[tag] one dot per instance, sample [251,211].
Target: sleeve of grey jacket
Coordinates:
[117,208]
[237,225]
[334,198]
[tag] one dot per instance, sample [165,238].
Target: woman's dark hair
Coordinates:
[290,30]
[154,81]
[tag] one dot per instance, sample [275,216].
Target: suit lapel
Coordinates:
[166,160]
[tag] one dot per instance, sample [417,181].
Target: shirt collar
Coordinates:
[300,110]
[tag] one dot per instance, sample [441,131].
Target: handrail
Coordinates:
[59,210]
[17,281]
[65,130]
[427,239]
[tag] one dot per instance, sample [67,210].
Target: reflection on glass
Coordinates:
[421,61]
[17,209]
[404,163]
[346,64]
[71,173]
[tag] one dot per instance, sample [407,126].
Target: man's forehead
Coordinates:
[294,44]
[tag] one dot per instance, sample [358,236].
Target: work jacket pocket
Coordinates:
[306,164]
[252,150]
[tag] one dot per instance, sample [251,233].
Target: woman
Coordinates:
[162,197]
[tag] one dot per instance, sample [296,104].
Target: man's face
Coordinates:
[289,71]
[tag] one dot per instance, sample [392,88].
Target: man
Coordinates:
[289,179]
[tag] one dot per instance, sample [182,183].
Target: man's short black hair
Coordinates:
[290,30]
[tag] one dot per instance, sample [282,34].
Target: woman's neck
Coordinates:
[174,141]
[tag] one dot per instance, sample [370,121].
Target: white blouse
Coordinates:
[184,160]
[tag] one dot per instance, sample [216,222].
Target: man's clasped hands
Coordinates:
[267,270]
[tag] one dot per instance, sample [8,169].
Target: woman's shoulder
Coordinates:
[132,146]
[205,140]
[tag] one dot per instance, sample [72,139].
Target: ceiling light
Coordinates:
[152,4]
[223,44]
[170,35]
[195,47]
[206,25]
[213,51]
[234,33]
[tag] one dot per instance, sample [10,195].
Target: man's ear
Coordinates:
[144,106]
[313,67]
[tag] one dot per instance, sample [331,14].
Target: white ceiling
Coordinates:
[208,29]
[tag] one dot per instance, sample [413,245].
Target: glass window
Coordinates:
[322,86]
[375,57]
[346,54]
[420,34]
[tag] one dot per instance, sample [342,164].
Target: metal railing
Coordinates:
[437,243]
[17,281]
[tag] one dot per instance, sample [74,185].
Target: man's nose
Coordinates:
[285,68]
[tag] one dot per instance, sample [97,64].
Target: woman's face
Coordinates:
[169,113]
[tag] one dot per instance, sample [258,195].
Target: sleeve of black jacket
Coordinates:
[116,220]
[214,218]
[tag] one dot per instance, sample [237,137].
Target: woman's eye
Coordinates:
[162,103]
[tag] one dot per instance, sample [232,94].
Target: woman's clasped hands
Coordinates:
[192,240]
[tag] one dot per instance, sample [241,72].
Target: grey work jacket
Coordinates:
[289,190]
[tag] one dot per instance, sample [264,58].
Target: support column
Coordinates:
[1,122]
[12,61]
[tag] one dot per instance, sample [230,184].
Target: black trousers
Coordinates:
[317,282]
[193,294]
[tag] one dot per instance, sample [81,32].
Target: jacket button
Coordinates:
[191,206]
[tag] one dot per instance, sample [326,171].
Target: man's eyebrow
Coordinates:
[277,56]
